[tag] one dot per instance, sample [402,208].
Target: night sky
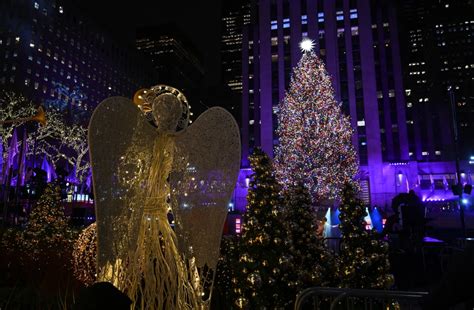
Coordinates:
[199,20]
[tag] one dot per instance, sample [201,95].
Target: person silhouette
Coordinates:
[102,295]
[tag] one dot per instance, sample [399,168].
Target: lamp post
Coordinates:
[458,191]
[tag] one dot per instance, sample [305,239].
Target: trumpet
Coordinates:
[39,117]
[139,100]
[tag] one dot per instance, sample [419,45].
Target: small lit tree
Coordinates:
[363,260]
[225,279]
[263,271]
[47,234]
[85,255]
[314,264]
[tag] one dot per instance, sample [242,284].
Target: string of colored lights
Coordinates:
[315,137]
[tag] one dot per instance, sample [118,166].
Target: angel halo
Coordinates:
[166,106]
[141,171]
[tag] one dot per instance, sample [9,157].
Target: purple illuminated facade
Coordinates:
[358,40]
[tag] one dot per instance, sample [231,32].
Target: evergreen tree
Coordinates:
[262,274]
[47,233]
[363,258]
[223,295]
[314,263]
[84,255]
[315,137]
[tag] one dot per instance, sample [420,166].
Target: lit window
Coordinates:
[425,153]
[438,152]
[353,13]
[361,123]
[251,122]
[304,19]
[17,39]
[237,226]
[61,10]
[409,104]
[355,30]
[274,25]
[32,44]
[37,5]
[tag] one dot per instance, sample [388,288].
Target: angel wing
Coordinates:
[209,150]
[119,142]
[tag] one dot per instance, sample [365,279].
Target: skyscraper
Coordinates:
[235,15]
[175,59]
[437,52]
[54,55]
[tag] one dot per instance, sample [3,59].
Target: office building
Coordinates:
[54,56]
[359,42]
[175,59]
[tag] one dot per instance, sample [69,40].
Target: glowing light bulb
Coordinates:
[306,45]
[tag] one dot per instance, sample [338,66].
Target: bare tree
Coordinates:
[58,140]
[13,106]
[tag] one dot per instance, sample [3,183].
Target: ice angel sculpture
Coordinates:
[147,164]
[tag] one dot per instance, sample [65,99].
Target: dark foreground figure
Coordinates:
[102,295]
[456,285]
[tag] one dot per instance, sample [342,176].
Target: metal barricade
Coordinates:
[323,298]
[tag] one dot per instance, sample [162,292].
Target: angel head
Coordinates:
[166,111]
[166,106]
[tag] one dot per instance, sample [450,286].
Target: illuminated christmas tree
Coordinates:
[363,260]
[47,235]
[264,267]
[315,137]
[85,255]
[313,264]
[223,295]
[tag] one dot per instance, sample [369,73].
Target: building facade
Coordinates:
[235,16]
[359,42]
[175,59]
[437,39]
[54,56]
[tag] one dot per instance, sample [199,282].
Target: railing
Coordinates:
[323,298]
